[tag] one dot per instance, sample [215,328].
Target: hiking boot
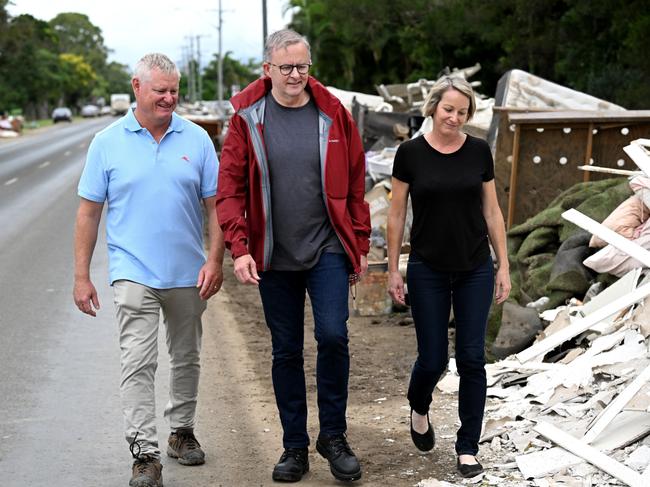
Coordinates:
[343,463]
[183,445]
[147,472]
[293,464]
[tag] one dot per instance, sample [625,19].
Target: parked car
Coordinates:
[62,114]
[90,111]
[105,110]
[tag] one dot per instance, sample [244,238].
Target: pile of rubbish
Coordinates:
[10,126]
[211,115]
[387,120]
[553,260]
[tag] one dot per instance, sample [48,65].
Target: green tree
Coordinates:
[4,16]
[117,78]
[29,69]
[603,50]
[77,78]
[234,73]
[76,34]
[596,47]
[4,19]
[43,64]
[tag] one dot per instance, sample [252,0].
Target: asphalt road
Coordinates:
[57,394]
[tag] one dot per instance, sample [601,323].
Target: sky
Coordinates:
[133,28]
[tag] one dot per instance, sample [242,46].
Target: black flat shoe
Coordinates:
[423,441]
[469,470]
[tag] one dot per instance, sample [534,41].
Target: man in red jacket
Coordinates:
[290,203]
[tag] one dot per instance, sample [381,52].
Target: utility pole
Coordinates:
[193,70]
[198,60]
[188,71]
[191,82]
[220,63]
[264,27]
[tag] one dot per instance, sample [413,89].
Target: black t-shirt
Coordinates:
[449,231]
[301,227]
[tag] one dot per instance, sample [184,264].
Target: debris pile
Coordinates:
[211,115]
[10,126]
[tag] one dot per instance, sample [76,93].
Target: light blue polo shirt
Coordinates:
[154,221]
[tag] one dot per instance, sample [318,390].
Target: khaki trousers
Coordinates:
[138,309]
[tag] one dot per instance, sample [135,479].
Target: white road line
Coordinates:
[44,164]
[66,153]
[11,181]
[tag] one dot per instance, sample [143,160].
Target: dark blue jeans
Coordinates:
[283,299]
[431,294]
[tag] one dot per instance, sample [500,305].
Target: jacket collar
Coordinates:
[325,101]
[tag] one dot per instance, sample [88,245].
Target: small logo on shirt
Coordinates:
[185,158]
[333,141]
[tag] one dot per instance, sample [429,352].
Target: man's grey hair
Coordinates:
[154,60]
[281,40]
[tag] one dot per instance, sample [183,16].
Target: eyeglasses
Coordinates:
[287,69]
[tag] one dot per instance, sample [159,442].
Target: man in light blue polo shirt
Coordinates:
[154,169]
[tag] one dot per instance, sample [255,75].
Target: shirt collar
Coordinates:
[131,123]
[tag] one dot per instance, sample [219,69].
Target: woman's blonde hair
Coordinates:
[449,83]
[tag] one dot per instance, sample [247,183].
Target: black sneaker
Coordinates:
[183,445]
[293,464]
[147,472]
[343,463]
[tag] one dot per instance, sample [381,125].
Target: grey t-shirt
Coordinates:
[301,227]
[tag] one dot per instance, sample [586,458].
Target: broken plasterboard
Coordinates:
[627,428]
[593,456]
[583,324]
[641,400]
[615,407]
[546,462]
[640,156]
[621,287]
[620,242]
[641,317]
[494,427]
[608,235]
[609,170]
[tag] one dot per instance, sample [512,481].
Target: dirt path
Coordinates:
[239,425]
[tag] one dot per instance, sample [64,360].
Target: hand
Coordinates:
[210,280]
[246,270]
[396,287]
[85,296]
[502,285]
[363,264]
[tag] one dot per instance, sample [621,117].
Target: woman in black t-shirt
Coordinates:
[449,176]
